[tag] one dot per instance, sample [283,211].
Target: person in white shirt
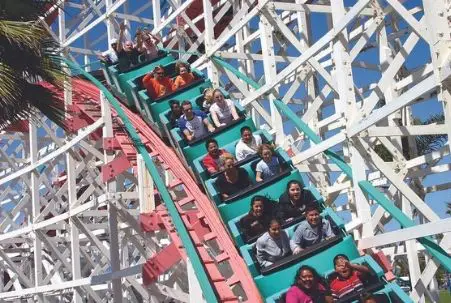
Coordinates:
[248,144]
[223,111]
[110,56]
[193,123]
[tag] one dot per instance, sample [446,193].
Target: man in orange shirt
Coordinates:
[157,84]
[184,77]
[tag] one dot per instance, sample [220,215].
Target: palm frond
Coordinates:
[430,143]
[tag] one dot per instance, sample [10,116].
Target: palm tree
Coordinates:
[28,54]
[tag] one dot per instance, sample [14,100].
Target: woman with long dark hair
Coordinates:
[293,201]
[307,288]
[256,221]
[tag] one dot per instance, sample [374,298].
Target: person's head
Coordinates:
[294,189]
[274,228]
[312,214]
[342,268]
[208,94]
[368,298]
[258,205]
[158,72]
[187,109]
[229,162]
[218,97]
[128,46]
[212,147]
[306,278]
[175,107]
[265,151]
[246,134]
[181,68]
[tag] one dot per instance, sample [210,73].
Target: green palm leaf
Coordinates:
[28,55]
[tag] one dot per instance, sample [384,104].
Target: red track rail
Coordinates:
[204,223]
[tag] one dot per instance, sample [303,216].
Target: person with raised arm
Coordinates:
[349,277]
[157,83]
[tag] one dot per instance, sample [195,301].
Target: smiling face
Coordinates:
[306,279]
[266,155]
[213,149]
[246,136]
[218,97]
[313,217]
[294,191]
[342,268]
[257,208]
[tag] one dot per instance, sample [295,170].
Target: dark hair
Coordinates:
[294,182]
[272,220]
[311,206]
[210,140]
[173,101]
[186,102]
[159,67]
[340,256]
[258,198]
[245,128]
[302,268]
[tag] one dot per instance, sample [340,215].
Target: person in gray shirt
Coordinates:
[272,245]
[311,231]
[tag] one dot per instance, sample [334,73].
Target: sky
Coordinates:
[418,57]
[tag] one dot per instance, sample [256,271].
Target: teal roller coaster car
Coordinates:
[122,78]
[201,171]
[280,275]
[224,135]
[275,280]
[375,284]
[238,204]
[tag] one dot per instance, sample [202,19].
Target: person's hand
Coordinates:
[138,32]
[122,26]
[211,128]
[297,250]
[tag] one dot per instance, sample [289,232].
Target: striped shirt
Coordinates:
[341,287]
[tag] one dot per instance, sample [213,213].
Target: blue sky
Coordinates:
[418,57]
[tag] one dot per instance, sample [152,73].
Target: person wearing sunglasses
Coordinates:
[157,84]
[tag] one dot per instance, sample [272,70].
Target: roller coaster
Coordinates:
[146,209]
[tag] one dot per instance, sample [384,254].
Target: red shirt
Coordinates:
[212,164]
[157,88]
[341,287]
